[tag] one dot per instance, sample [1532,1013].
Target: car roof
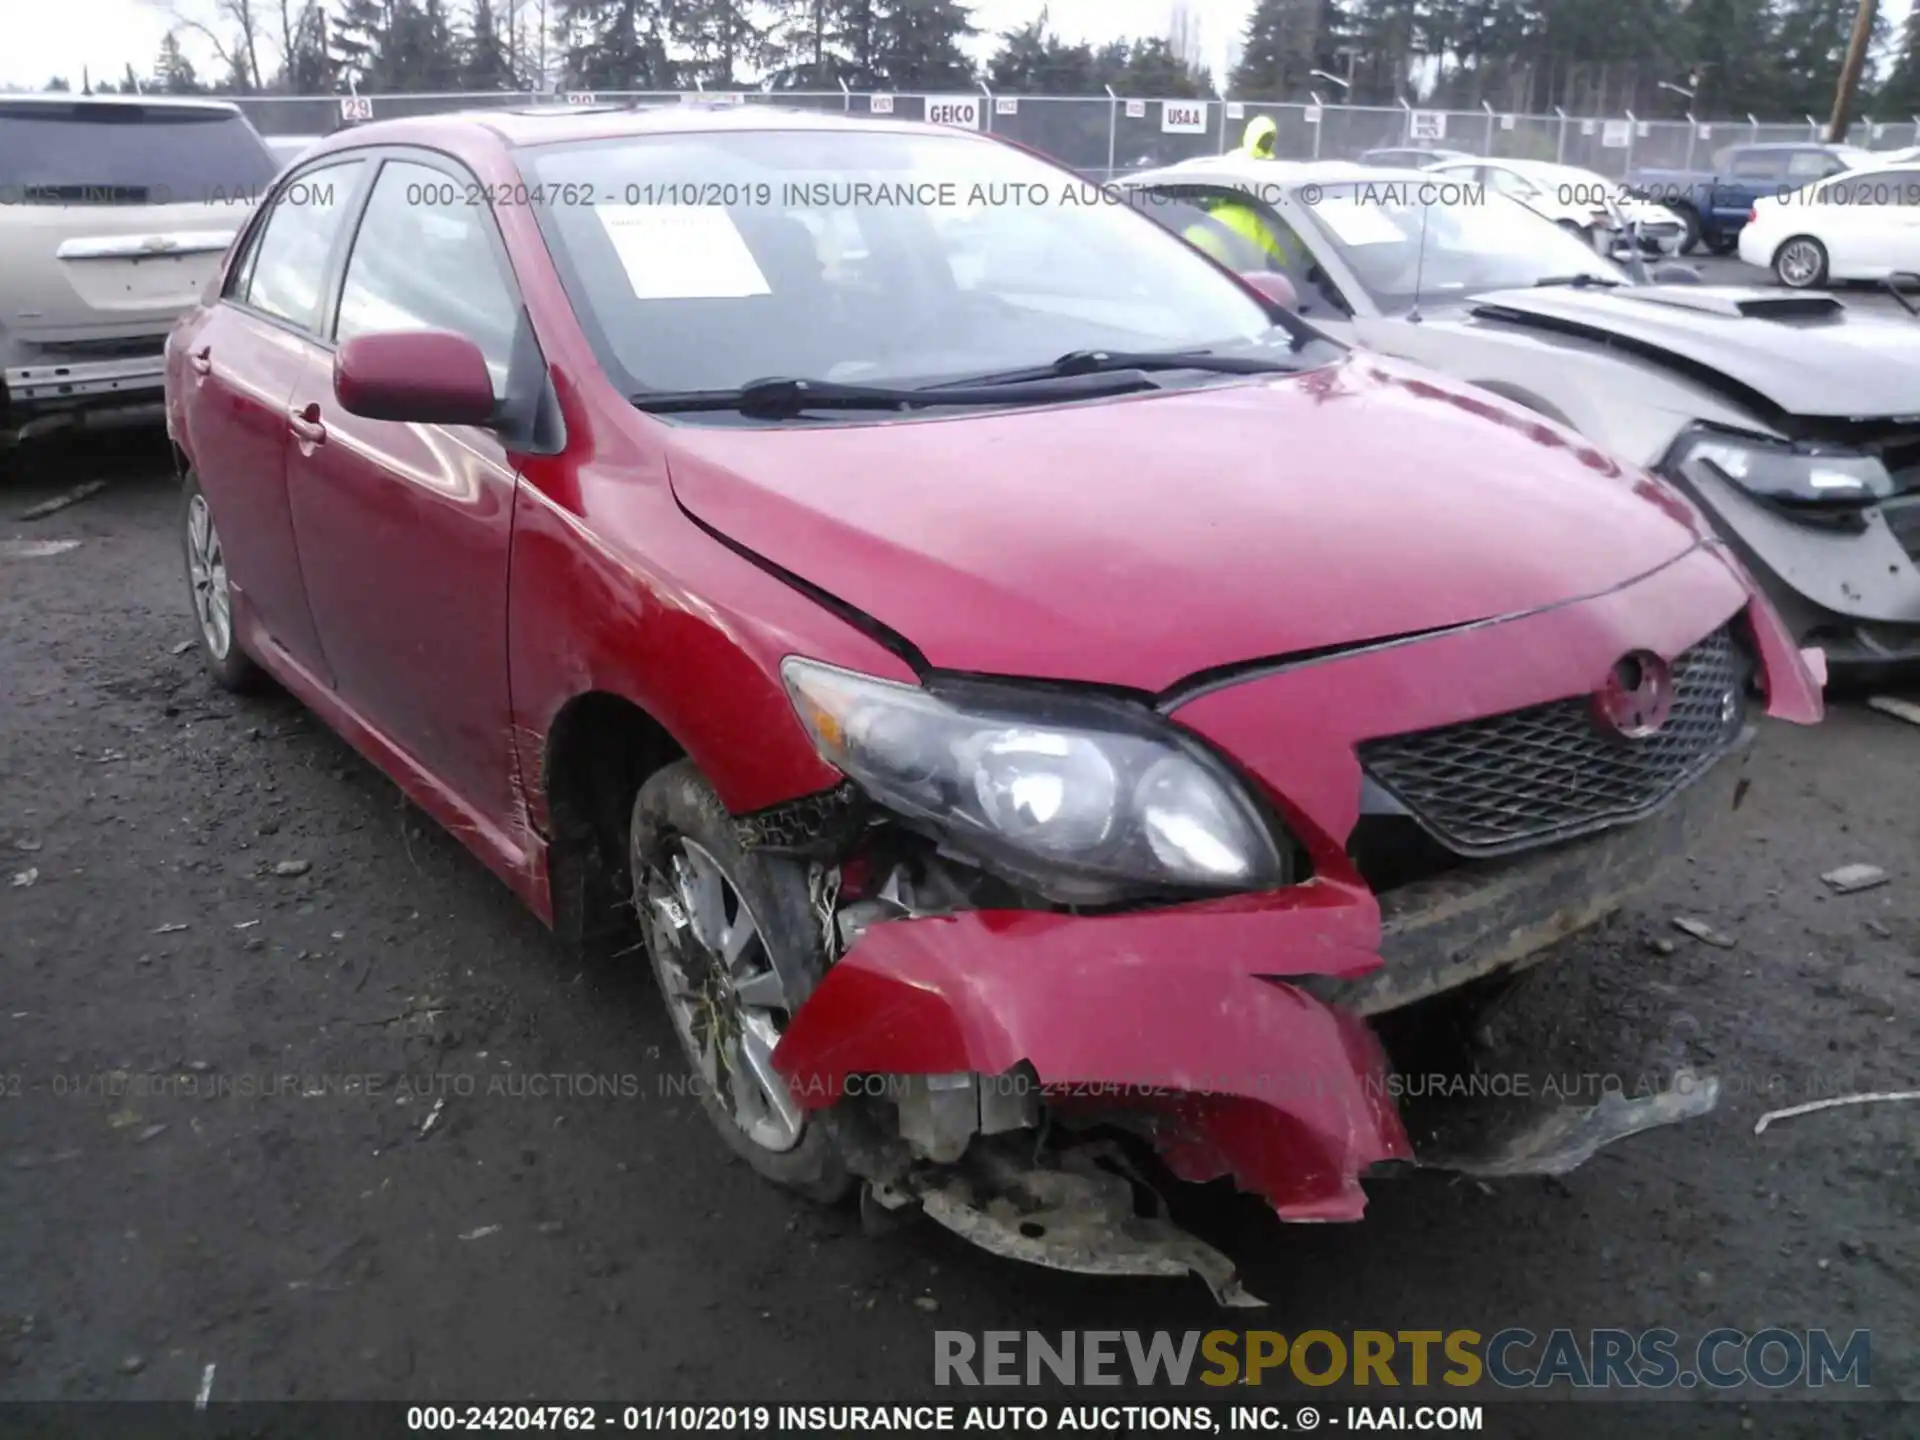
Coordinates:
[529,125]
[10,99]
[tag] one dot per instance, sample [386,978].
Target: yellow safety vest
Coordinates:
[1248,225]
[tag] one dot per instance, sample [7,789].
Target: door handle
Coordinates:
[202,360]
[306,425]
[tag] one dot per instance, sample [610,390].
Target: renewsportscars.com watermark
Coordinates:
[1512,1358]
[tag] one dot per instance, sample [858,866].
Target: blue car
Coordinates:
[1714,204]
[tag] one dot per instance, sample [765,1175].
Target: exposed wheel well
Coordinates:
[600,749]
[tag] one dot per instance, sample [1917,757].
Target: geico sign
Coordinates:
[960,110]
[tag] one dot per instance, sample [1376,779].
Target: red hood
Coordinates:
[1136,542]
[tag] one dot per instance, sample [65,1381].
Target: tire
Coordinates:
[1800,263]
[1724,245]
[1690,238]
[210,595]
[679,839]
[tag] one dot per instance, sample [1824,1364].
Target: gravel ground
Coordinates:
[540,1245]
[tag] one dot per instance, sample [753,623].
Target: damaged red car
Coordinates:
[1038,701]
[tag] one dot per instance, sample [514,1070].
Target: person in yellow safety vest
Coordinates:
[1258,141]
[1242,224]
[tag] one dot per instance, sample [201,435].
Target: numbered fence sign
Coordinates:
[582,97]
[1006,105]
[1427,125]
[1183,117]
[1311,115]
[960,111]
[356,107]
[881,104]
[1617,135]
[1136,109]
[1236,110]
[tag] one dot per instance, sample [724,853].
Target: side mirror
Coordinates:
[424,377]
[1275,286]
[1674,275]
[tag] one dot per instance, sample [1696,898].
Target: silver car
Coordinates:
[1792,420]
[114,213]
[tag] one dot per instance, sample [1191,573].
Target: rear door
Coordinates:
[244,362]
[114,215]
[404,530]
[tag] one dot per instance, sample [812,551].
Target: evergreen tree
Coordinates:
[309,67]
[1153,68]
[1812,46]
[1901,94]
[173,72]
[1032,60]
[1285,41]
[356,39]
[484,63]
[725,41]
[58,86]
[621,44]
[918,45]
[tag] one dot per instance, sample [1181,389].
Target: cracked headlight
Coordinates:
[1050,788]
[1794,475]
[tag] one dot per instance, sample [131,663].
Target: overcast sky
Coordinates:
[43,38]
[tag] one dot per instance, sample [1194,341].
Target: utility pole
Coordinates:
[1850,74]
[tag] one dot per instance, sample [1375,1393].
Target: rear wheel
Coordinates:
[206,557]
[736,947]
[1801,263]
[1690,235]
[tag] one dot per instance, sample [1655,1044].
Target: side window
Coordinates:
[283,272]
[1812,165]
[1756,165]
[423,259]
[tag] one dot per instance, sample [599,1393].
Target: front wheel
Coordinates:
[231,667]
[1801,263]
[736,948]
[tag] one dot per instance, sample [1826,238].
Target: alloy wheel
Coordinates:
[1800,263]
[207,570]
[725,996]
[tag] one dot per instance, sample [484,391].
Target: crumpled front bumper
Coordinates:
[1234,1031]
[1855,593]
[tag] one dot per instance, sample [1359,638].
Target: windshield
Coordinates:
[707,260]
[128,154]
[1475,240]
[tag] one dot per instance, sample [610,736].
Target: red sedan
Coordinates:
[1035,697]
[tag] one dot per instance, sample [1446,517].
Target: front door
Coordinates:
[404,530]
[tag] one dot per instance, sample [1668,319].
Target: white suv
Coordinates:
[114,213]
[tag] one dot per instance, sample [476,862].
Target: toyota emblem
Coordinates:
[1637,697]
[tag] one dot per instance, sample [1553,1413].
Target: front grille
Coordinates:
[1549,772]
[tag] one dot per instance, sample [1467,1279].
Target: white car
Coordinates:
[114,213]
[1863,225]
[1581,202]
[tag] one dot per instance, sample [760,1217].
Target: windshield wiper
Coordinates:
[1102,362]
[785,397]
[1579,282]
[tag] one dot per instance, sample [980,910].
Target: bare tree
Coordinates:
[242,29]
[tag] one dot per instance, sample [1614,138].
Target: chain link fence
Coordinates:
[1101,136]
